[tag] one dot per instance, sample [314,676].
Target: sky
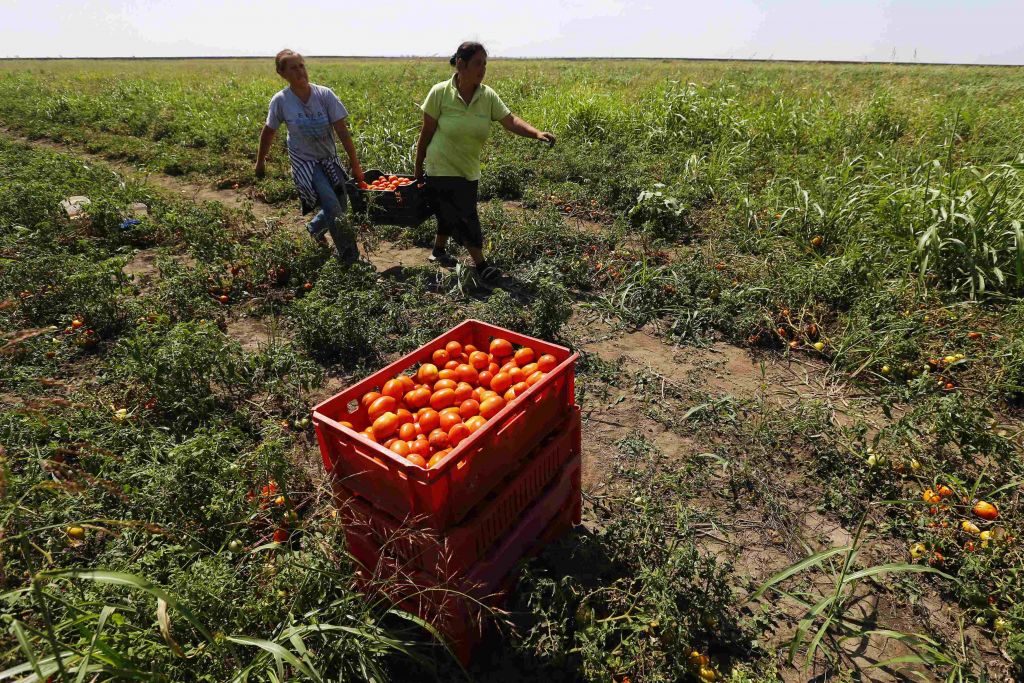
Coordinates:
[969,31]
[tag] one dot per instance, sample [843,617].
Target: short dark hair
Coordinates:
[283,55]
[466,52]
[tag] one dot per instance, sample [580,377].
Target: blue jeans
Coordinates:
[332,208]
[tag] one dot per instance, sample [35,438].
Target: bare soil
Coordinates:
[253,333]
[143,270]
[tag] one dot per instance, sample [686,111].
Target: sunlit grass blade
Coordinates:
[280,654]
[792,570]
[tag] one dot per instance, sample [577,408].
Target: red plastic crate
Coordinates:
[555,465]
[445,493]
[457,607]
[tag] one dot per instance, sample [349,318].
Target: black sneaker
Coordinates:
[488,273]
[348,256]
[441,257]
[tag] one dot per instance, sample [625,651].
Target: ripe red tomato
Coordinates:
[501,382]
[407,432]
[442,399]
[468,373]
[469,408]
[463,391]
[479,360]
[546,363]
[450,419]
[453,348]
[429,420]
[445,384]
[501,347]
[457,433]
[427,373]
[394,389]
[385,425]
[417,398]
[524,356]
[438,439]
[384,404]
[491,406]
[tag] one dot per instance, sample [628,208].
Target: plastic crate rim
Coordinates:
[442,466]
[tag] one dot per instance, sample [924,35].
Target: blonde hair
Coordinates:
[283,55]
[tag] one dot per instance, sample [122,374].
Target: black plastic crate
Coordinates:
[405,206]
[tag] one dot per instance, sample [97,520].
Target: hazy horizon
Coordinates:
[984,32]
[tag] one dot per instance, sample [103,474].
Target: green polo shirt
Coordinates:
[461,129]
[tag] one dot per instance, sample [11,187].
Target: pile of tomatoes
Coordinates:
[386,183]
[423,416]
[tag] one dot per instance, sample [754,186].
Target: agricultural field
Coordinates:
[795,289]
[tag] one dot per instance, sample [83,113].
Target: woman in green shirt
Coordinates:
[457,116]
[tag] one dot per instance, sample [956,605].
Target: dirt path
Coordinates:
[198,193]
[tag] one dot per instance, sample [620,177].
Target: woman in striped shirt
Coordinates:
[313,114]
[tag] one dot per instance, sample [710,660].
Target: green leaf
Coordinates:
[805,625]
[26,647]
[794,569]
[83,667]
[280,653]
[131,581]
[815,642]
[897,567]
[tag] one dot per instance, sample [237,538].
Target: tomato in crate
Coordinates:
[389,199]
[452,469]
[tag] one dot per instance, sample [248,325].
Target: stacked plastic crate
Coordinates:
[463,524]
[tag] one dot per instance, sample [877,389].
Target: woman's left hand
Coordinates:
[547,137]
